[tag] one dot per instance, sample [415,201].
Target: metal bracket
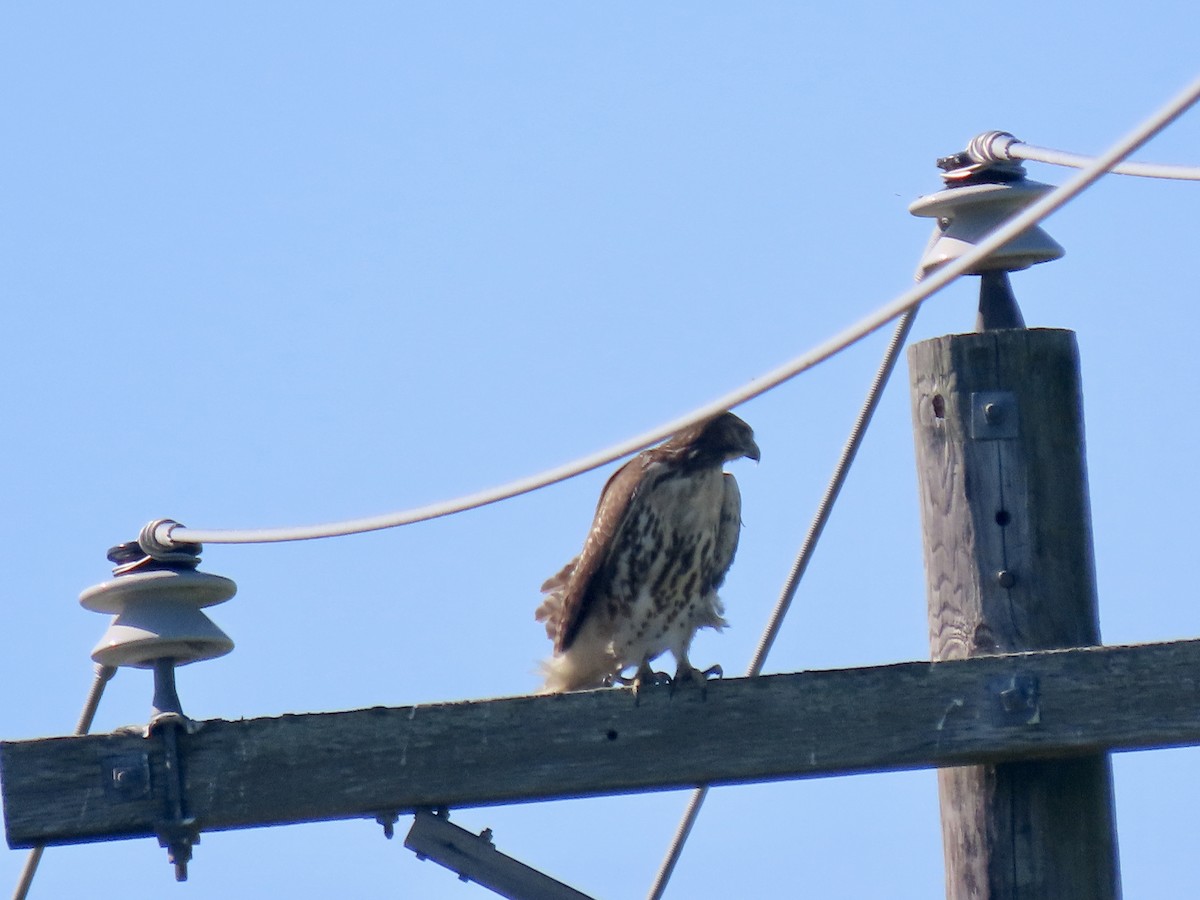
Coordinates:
[1019,699]
[993,415]
[474,858]
[177,830]
[128,776]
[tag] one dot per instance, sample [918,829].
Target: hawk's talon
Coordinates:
[643,676]
[688,672]
[647,677]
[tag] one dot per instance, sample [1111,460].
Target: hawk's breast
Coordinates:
[664,565]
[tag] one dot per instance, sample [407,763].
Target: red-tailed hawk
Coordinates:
[664,535]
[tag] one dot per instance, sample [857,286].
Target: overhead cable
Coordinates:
[1000,146]
[168,534]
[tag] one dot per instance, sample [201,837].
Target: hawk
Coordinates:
[664,535]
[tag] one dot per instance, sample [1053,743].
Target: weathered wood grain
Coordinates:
[1034,482]
[301,768]
[1008,554]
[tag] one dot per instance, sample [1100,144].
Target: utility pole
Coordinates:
[1008,556]
[998,426]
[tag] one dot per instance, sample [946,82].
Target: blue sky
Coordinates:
[291,263]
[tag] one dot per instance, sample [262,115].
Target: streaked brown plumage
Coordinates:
[664,535]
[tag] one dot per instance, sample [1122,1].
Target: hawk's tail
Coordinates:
[587,663]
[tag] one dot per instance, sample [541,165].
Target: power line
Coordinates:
[999,146]
[166,534]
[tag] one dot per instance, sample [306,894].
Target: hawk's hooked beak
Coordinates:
[752,452]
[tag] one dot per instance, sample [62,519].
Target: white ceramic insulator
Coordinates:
[158,616]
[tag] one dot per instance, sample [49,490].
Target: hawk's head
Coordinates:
[718,440]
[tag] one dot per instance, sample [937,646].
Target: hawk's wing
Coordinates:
[550,610]
[729,530]
[571,591]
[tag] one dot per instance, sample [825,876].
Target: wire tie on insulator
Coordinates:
[981,163]
[992,147]
[155,541]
